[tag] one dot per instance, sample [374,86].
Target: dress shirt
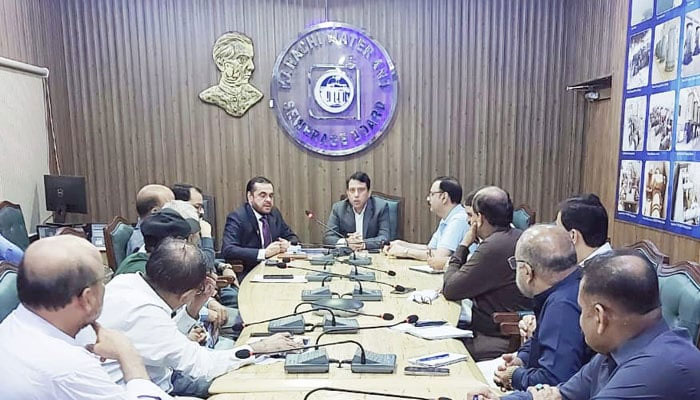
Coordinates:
[600,250]
[10,252]
[359,224]
[136,239]
[451,230]
[261,252]
[659,363]
[133,307]
[557,349]
[41,362]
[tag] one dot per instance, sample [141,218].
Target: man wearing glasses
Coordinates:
[444,198]
[485,276]
[256,231]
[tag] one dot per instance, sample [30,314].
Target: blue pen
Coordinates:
[432,358]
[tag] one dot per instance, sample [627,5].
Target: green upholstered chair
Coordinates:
[651,252]
[523,217]
[679,287]
[117,235]
[12,225]
[8,289]
[395,214]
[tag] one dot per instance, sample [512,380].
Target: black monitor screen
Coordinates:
[65,194]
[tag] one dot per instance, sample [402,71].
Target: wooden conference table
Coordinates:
[260,301]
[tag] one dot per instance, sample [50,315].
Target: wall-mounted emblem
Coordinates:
[334,89]
[233,56]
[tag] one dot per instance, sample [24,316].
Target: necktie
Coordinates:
[267,239]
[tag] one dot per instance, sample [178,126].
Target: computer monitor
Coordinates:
[65,194]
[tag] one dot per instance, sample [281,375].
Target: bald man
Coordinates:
[639,356]
[485,276]
[546,270]
[61,288]
[149,200]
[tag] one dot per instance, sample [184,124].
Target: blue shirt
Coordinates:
[10,252]
[557,349]
[657,364]
[451,230]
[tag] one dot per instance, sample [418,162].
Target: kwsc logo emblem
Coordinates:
[334,89]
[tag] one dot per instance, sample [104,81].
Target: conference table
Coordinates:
[262,300]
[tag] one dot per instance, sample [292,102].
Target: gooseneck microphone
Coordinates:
[395,396]
[311,216]
[389,272]
[411,319]
[245,353]
[319,307]
[385,316]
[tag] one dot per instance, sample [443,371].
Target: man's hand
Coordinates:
[355,241]
[482,393]
[510,360]
[228,272]
[110,344]
[197,334]
[527,325]
[201,296]
[221,312]
[471,236]
[274,249]
[437,263]
[544,392]
[276,342]
[204,228]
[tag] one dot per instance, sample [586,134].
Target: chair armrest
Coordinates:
[506,317]
[510,329]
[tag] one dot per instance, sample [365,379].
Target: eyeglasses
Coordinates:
[513,262]
[430,194]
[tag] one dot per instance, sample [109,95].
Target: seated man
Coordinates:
[444,199]
[61,289]
[586,220]
[362,219]
[148,200]
[639,356]
[546,270]
[256,230]
[485,276]
[10,251]
[143,306]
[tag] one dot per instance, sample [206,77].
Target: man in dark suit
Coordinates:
[362,218]
[256,230]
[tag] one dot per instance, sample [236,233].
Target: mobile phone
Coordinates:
[432,371]
[279,276]
[271,262]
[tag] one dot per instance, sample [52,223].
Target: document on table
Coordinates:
[293,279]
[445,331]
[425,268]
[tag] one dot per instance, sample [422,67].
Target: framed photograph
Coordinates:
[628,191]
[661,113]
[656,174]
[634,123]
[686,193]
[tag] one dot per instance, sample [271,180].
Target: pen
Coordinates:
[419,324]
[432,358]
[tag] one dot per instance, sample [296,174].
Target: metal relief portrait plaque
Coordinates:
[233,56]
[334,89]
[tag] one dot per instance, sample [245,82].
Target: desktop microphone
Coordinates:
[295,313]
[411,319]
[245,353]
[398,288]
[395,396]
[385,316]
[348,262]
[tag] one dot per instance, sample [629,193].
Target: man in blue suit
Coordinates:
[362,218]
[256,230]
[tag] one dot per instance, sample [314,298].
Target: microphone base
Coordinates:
[316,294]
[318,276]
[312,361]
[360,261]
[375,363]
[342,325]
[363,276]
[294,324]
[367,294]
[323,260]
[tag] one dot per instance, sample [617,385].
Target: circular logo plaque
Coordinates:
[334,89]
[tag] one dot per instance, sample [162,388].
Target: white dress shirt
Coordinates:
[600,250]
[261,252]
[359,224]
[41,362]
[134,308]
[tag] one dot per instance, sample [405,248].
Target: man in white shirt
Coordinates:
[61,287]
[444,199]
[149,310]
[362,219]
[586,220]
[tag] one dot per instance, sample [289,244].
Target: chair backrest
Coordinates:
[12,225]
[651,252]
[395,214]
[117,235]
[8,289]
[523,217]
[679,287]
